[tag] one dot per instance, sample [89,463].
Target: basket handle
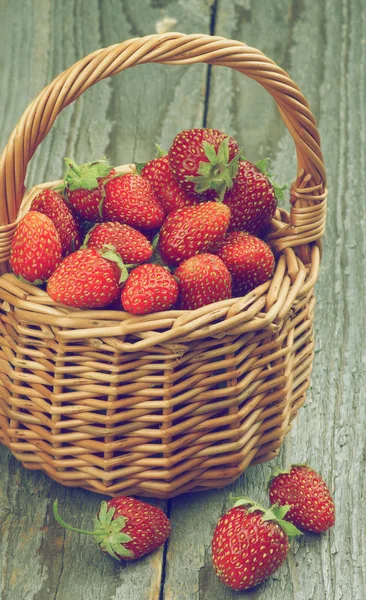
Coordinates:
[308,193]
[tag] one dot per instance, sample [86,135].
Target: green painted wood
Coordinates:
[323,46]
[122,117]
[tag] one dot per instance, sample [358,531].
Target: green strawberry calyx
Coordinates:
[85,176]
[218,173]
[109,252]
[275,513]
[262,166]
[278,471]
[108,532]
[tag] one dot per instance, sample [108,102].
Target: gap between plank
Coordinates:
[165,551]
[214,6]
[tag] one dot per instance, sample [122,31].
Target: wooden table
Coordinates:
[323,46]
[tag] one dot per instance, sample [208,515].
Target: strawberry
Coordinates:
[88,278]
[130,244]
[165,186]
[125,527]
[249,544]
[35,248]
[249,260]
[252,198]
[130,199]
[312,506]
[203,279]
[191,230]
[84,186]
[52,204]
[204,161]
[149,288]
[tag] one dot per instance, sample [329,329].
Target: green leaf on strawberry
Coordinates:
[218,173]
[85,176]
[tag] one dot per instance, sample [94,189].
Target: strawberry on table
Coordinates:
[149,288]
[88,278]
[191,230]
[131,199]
[252,198]
[84,186]
[249,260]
[250,543]
[203,279]
[126,528]
[311,504]
[51,203]
[35,248]
[165,186]
[130,244]
[204,161]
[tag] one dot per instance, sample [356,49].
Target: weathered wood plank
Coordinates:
[322,45]
[122,118]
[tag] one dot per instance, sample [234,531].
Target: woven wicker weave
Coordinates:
[175,401]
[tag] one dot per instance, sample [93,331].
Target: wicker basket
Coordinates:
[175,401]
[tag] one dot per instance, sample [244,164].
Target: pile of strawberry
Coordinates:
[249,542]
[179,232]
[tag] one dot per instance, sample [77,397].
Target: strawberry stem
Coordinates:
[56,514]
[159,151]
[108,532]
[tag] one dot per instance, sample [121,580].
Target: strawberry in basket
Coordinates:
[132,246]
[35,248]
[204,161]
[203,279]
[249,260]
[88,278]
[252,199]
[84,185]
[130,199]
[193,230]
[170,194]
[52,204]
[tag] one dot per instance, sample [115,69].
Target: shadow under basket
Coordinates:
[175,401]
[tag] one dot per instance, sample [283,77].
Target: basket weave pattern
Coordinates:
[174,401]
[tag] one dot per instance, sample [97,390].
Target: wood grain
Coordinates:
[122,118]
[323,46]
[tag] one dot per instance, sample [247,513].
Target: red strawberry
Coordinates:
[250,261]
[204,161]
[130,199]
[252,199]
[165,186]
[35,248]
[126,528]
[53,205]
[149,288]
[85,186]
[130,244]
[311,505]
[203,279]
[189,231]
[249,544]
[87,278]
